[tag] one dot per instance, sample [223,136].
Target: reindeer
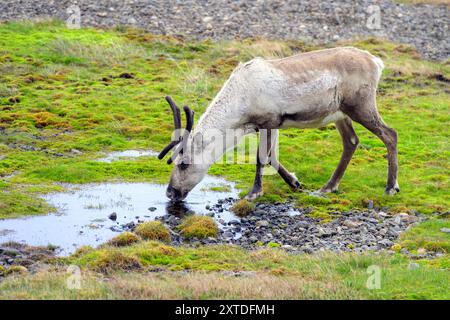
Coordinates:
[307,90]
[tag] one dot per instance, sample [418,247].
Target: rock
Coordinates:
[113,216]
[151,209]
[259,212]
[207,19]
[262,224]
[131,20]
[421,251]
[350,224]
[445,230]
[386,243]
[288,247]
[228,235]
[76,151]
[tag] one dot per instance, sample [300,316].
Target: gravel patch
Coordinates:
[292,229]
[423,26]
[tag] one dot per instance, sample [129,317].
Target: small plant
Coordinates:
[198,227]
[2,270]
[243,207]
[82,251]
[153,230]
[124,239]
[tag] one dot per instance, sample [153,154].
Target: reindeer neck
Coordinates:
[222,119]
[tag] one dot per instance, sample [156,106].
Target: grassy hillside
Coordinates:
[68,95]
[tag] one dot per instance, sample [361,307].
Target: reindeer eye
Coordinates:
[183,166]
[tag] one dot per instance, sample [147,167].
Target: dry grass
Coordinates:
[196,285]
[268,49]
[434,2]
[106,54]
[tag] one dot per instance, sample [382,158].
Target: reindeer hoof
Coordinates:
[392,191]
[253,195]
[325,190]
[296,185]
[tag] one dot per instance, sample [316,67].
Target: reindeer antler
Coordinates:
[177,123]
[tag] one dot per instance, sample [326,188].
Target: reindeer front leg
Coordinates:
[257,189]
[267,154]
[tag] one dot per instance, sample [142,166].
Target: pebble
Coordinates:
[113,216]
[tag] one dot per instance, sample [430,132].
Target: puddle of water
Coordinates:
[82,217]
[120,155]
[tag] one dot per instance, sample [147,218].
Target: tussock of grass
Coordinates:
[15,270]
[243,208]
[198,227]
[113,260]
[153,230]
[124,239]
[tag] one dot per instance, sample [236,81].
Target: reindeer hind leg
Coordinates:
[366,114]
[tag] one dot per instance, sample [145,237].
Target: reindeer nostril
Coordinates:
[174,194]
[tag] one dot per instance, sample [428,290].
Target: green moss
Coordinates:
[2,270]
[123,239]
[198,227]
[153,230]
[243,207]
[15,270]
[273,245]
[427,235]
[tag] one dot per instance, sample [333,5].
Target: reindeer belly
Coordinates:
[310,119]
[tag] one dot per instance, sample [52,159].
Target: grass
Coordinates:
[99,91]
[267,273]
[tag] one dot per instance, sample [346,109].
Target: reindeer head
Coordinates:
[186,174]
